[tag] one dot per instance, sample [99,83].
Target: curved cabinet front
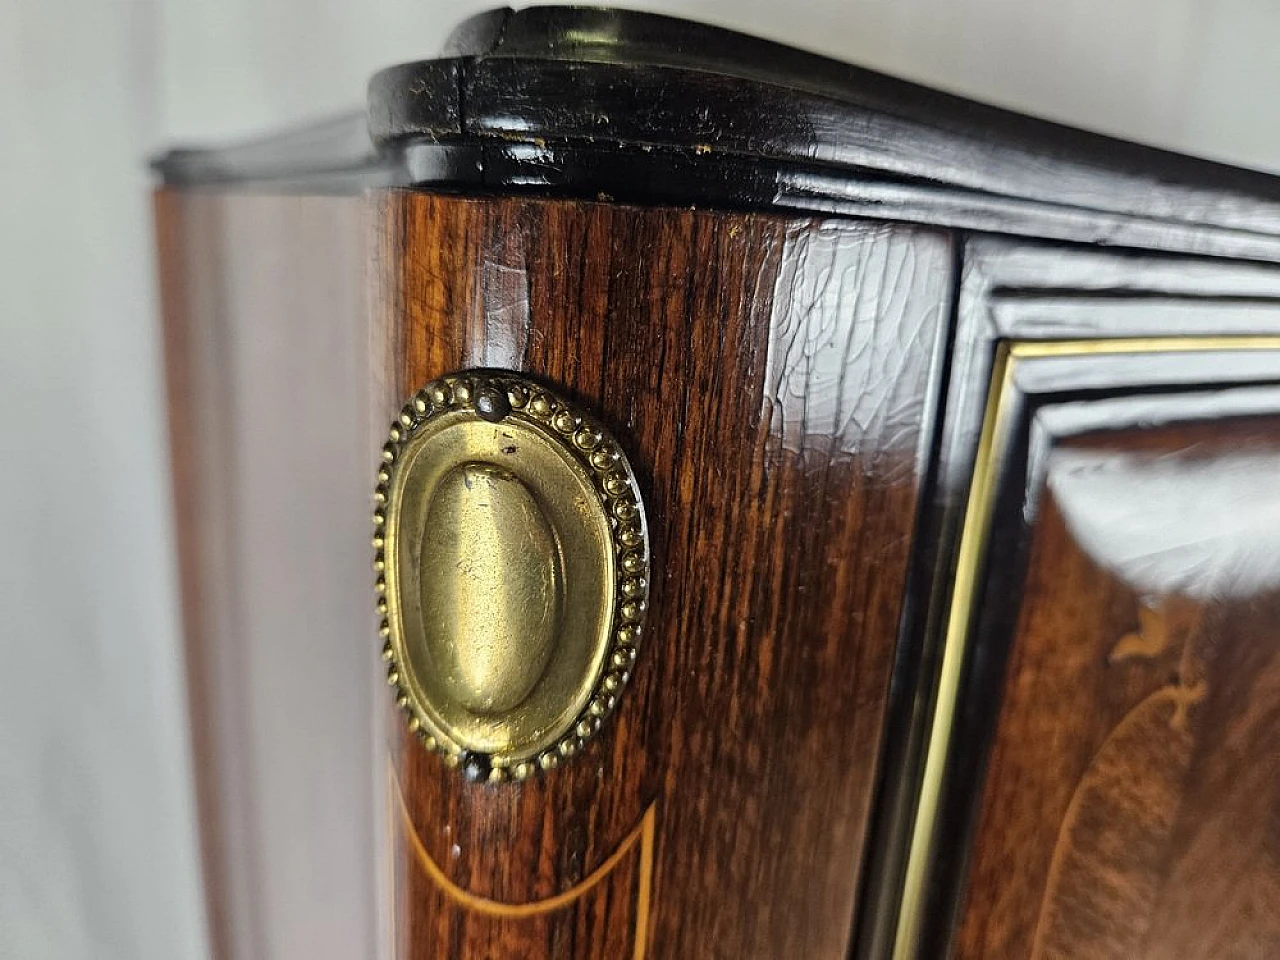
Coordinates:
[932,615]
[770,380]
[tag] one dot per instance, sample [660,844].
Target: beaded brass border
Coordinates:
[493,396]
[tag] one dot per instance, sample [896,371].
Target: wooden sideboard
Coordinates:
[951,522]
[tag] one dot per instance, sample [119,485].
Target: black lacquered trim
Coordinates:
[588,102]
[611,77]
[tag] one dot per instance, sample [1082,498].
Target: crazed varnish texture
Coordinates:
[771,382]
[1132,802]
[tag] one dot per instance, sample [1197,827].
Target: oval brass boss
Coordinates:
[513,563]
[491,587]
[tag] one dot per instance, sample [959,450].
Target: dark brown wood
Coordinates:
[771,380]
[1109,786]
[1012,291]
[1133,790]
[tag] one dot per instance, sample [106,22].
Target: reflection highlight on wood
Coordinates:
[267,361]
[1129,805]
[771,379]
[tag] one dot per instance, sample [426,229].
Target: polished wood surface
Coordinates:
[1193,316]
[771,380]
[266,360]
[1131,798]
[774,380]
[946,654]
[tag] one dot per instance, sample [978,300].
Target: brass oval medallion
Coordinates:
[512,560]
[491,587]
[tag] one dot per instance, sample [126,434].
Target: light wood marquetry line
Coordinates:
[641,836]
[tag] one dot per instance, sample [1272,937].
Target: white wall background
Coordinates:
[97,841]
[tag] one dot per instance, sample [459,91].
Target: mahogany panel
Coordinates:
[1014,292]
[1131,807]
[773,381]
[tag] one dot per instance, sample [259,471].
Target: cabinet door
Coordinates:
[1101,775]
[1132,593]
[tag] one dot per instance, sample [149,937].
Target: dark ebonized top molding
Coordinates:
[589,101]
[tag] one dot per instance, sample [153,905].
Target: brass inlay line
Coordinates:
[1025,349]
[643,832]
[974,538]
[973,545]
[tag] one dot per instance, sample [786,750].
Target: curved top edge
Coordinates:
[598,34]
[590,74]
[325,152]
[647,107]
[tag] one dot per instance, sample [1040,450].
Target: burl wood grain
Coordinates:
[770,380]
[1132,802]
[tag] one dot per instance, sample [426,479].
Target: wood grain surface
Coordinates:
[1132,802]
[771,380]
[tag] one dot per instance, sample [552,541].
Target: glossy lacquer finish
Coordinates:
[1134,778]
[1009,691]
[655,109]
[1133,791]
[772,382]
[1115,564]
